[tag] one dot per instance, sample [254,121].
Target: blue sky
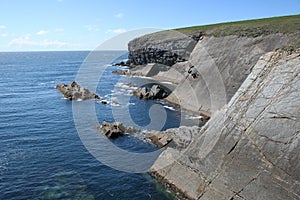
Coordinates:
[33,25]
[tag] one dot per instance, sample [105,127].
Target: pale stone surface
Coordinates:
[250,148]
[178,138]
[222,64]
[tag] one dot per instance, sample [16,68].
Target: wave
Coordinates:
[170,108]
[46,83]
[194,117]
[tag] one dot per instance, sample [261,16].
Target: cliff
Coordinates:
[166,47]
[248,149]
[222,56]
[244,75]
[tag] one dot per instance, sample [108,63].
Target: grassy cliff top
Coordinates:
[254,28]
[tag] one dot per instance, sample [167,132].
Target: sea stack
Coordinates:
[73,91]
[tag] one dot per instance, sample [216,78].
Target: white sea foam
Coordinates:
[170,108]
[194,117]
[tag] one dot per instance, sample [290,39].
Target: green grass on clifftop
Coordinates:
[253,28]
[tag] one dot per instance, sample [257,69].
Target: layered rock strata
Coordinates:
[250,148]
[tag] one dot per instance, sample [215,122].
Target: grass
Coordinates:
[250,28]
[289,25]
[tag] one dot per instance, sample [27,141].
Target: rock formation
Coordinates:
[166,47]
[155,92]
[115,129]
[73,91]
[250,148]
[178,138]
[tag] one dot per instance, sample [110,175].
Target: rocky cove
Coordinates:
[245,81]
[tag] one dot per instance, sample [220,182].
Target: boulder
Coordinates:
[74,91]
[155,92]
[115,129]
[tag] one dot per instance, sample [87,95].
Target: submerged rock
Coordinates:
[115,129]
[155,92]
[73,91]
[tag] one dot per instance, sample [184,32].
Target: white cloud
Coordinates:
[92,28]
[4,35]
[42,32]
[2,27]
[59,30]
[27,41]
[119,15]
[118,31]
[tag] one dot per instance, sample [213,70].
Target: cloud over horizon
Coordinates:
[119,15]
[2,27]
[42,32]
[118,31]
[25,41]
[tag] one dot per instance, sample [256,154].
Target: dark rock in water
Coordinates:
[115,129]
[122,64]
[155,92]
[104,102]
[73,91]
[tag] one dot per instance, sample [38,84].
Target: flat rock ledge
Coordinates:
[115,129]
[127,72]
[73,91]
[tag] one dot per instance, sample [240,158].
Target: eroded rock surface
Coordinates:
[165,47]
[115,129]
[73,91]
[155,92]
[250,148]
[178,138]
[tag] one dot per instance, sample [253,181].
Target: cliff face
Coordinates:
[166,47]
[250,148]
[221,64]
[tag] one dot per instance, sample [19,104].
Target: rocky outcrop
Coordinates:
[148,70]
[165,47]
[73,91]
[155,92]
[115,129]
[250,148]
[127,72]
[178,138]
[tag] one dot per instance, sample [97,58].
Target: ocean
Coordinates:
[43,156]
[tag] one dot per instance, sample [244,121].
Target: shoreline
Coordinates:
[137,72]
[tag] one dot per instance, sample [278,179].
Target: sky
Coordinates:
[50,25]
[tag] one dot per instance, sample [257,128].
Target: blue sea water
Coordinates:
[42,156]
